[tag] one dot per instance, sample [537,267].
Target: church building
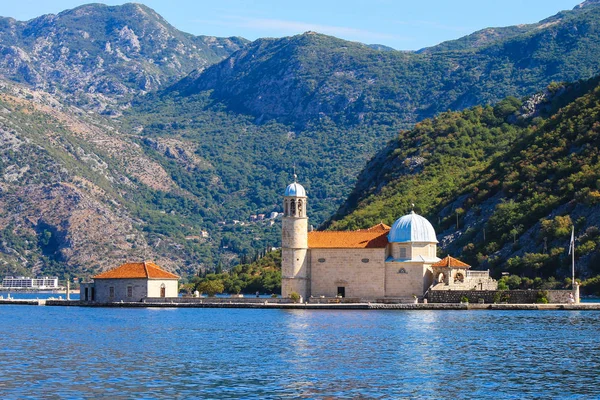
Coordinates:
[378,263]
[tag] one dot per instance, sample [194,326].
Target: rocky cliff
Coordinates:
[99,57]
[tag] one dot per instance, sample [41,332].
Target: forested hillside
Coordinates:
[191,172]
[502,184]
[312,76]
[78,195]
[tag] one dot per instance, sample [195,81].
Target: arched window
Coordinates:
[163,290]
[293,208]
[286,210]
[441,278]
[299,208]
[459,277]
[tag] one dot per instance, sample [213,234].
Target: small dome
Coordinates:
[295,190]
[412,228]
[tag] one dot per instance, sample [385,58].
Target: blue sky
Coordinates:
[401,24]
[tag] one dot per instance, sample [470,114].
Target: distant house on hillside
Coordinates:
[130,282]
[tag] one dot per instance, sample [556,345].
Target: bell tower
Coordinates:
[294,242]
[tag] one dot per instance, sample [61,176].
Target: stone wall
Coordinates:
[405,279]
[334,300]
[360,271]
[171,287]
[493,296]
[218,300]
[102,289]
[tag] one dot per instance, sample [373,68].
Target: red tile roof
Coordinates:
[380,227]
[373,238]
[140,270]
[450,262]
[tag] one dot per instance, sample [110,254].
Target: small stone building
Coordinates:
[452,274]
[130,282]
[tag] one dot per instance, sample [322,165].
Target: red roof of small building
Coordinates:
[380,227]
[450,262]
[139,270]
[374,237]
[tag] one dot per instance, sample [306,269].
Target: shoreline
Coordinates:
[294,306]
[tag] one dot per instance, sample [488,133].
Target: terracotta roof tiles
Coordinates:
[140,270]
[366,239]
[451,262]
[380,227]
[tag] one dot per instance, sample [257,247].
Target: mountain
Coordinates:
[489,36]
[326,105]
[191,173]
[72,190]
[305,77]
[101,56]
[502,184]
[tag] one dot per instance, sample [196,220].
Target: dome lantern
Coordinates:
[412,228]
[295,189]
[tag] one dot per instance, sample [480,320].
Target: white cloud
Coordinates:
[280,27]
[434,25]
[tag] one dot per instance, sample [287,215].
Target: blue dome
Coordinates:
[412,228]
[295,190]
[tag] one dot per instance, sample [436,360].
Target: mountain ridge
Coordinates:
[100,56]
[181,173]
[348,81]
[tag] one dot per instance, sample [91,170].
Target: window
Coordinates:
[402,271]
[129,291]
[111,292]
[321,260]
[402,252]
[365,260]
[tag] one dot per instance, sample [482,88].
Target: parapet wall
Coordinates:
[216,300]
[498,296]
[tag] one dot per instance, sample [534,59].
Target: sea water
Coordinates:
[77,352]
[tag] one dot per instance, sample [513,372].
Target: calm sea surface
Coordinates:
[72,352]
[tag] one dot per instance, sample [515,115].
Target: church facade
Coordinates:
[378,263]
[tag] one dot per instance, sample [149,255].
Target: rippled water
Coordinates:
[38,295]
[76,352]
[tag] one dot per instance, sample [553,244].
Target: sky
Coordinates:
[401,24]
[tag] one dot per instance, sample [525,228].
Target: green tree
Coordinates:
[211,287]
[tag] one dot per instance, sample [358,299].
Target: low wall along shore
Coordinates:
[499,296]
[437,300]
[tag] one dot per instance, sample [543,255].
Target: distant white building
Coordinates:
[25,282]
[130,282]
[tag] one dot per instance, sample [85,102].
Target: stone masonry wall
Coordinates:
[489,296]
[360,271]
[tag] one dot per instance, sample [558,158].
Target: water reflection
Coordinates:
[239,353]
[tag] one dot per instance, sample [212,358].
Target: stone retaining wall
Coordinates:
[498,296]
[217,300]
